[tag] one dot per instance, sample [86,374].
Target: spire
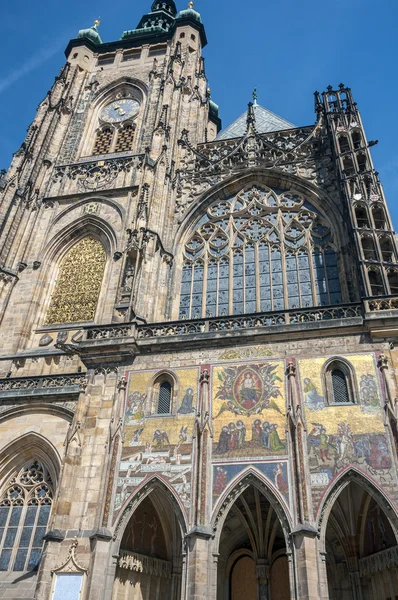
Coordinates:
[91,33]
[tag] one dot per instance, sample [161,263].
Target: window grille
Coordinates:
[340,387]
[25,509]
[258,251]
[125,139]
[103,141]
[164,398]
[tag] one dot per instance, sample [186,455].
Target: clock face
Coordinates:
[120,110]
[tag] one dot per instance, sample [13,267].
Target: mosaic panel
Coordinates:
[248,407]
[276,473]
[157,444]
[339,436]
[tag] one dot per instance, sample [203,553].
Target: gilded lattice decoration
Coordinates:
[125,139]
[103,141]
[78,284]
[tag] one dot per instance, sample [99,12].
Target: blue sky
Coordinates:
[287,49]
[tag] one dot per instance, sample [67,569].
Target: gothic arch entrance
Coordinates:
[150,556]
[252,560]
[361,547]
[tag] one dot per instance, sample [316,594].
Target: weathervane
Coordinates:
[191,4]
[97,22]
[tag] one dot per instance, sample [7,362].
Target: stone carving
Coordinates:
[375,563]
[78,284]
[290,151]
[71,565]
[46,340]
[145,564]
[49,381]
[99,174]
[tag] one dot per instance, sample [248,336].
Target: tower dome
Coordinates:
[190,13]
[91,33]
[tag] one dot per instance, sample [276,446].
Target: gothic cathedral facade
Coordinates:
[198,394]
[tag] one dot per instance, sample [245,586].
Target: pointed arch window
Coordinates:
[259,251]
[78,284]
[25,507]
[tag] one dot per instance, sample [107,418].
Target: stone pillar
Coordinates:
[356,587]
[263,582]
[323,577]
[306,553]
[198,542]
[100,542]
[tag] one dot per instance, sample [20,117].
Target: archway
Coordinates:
[252,560]
[361,547]
[150,556]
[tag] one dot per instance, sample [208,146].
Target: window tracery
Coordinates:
[78,284]
[256,252]
[25,507]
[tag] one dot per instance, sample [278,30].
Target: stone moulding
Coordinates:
[132,561]
[320,316]
[378,562]
[43,386]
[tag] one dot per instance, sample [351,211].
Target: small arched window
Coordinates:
[362,217]
[339,382]
[356,139]
[386,248]
[393,282]
[25,507]
[344,144]
[103,141]
[362,162]
[376,282]
[348,166]
[340,387]
[164,402]
[368,246]
[379,217]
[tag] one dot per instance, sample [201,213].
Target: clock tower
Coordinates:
[197,368]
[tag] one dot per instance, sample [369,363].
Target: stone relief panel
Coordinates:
[158,444]
[248,410]
[340,436]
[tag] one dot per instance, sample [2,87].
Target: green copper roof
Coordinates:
[189,13]
[91,34]
[166,5]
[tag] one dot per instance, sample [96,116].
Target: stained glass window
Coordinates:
[25,507]
[259,251]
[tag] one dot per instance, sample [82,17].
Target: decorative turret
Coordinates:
[191,17]
[91,33]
